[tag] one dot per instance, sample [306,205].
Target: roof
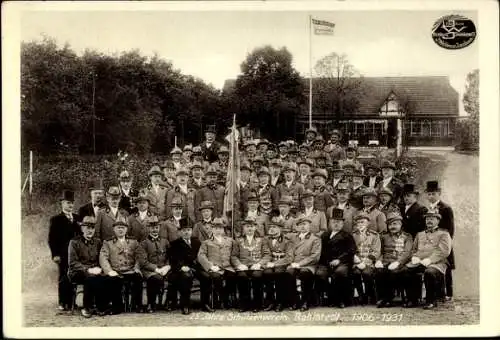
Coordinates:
[433,95]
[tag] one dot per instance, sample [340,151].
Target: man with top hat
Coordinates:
[275,276]
[171,226]
[210,192]
[370,207]
[217,273]
[138,221]
[157,190]
[127,192]
[284,217]
[367,253]
[357,189]
[155,264]
[187,152]
[184,192]
[203,228]
[107,216]
[210,147]
[306,251]
[265,189]
[389,181]
[84,268]
[310,136]
[168,169]
[342,199]
[120,258]
[337,175]
[337,252]
[323,198]
[333,148]
[96,196]
[412,212]
[386,204]
[317,217]
[277,176]
[305,165]
[372,178]
[249,255]
[396,249]
[428,257]
[290,187]
[196,181]
[184,266]
[446,222]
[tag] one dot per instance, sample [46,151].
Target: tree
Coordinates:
[338,86]
[468,129]
[269,92]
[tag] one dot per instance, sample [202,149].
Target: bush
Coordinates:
[467,135]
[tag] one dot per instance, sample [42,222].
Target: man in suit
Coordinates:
[285,217]
[305,165]
[245,187]
[183,191]
[183,255]
[107,216]
[138,221]
[213,192]
[265,188]
[277,176]
[386,204]
[372,178]
[210,147]
[334,148]
[447,223]
[323,198]
[291,187]
[370,207]
[196,181]
[203,228]
[342,195]
[412,212]
[337,251]
[157,190]
[176,156]
[171,226]
[337,176]
[96,195]
[318,218]
[63,227]
[128,193]
[84,268]
[305,256]
[168,168]
[389,181]
[357,189]
[310,136]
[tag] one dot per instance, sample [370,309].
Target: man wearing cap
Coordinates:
[333,148]
[337,251]
[389,181]
[184,192]
[351,158]
[222,163]
[157,190]
[245,187]
[127,192]
[120,259]
[337,176]
[258,162]
[265,189]
[170,228]
[168,179]
[428,256]
[183,253]
[282,151]
[154,264]
[293,153]
[275,277]
[446,222]
[203,228]
[306,252]
[357,189]
[304,150]
[367,253]
[187,152]
[138,221]
[214,257]
[372,178]
[412,212]
[370,207]
[210,147]
[385,202]
[262,146]
[317,217]
[291,187]
[255,215]
[342,199]
[210,192]
[84,268]
[396,249]
[323,198]
[250,151]
[271,152]
[198,157]
[106,217]
[310,136]
[96,196]
[277,176]
[197,181]
[304,177]
[176,155]
[285,219]
[249,255]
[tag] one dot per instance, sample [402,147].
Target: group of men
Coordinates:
[313,225]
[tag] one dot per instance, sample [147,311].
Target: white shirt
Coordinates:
[274,241]
[433,206]
[333,234]
[342,205]
[302,235]
[188,241]
[288,184]
[303,178]
[336,181]
[274,180]
[155,187]
[177,165]
[249,239]
[372,181]
[208,145]
[386,181]
[184,188]
[143,214]
[252,213]
[408,207]
[96,209]
[114,211]
[308,211]
[198,181]
[126,192]
[243,184]
[69,216]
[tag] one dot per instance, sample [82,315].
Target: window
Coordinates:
[436,128]
[426,128]
[390,107]
[415,128]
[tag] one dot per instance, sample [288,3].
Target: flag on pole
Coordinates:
[233,175]
[322,27]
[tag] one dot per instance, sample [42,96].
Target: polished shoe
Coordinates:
[102,312]
[185,311]
[269,307]
[430,306]
[341,305]
[150,309]
[171,308]
[304,307]
[207,308]
[61,308]
[448,298]
[86,313]
[410,304]
[382,304]
[278,308]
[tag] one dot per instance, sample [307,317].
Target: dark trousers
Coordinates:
[182,282]
[94,290]
[275,280]
[223,284]
[132,281]
[64,286]
[365,276]
[387,281]
[448,277]
[433,280]
[154,289]
[306,278]
[339,290]
[250,287]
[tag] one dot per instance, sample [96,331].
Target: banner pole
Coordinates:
[233,137]
[310,71]
[31,181]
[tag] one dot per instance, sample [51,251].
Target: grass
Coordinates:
[458,175]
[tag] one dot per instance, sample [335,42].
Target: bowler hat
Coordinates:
[432,186]
[155,170]
[337,214]
[114,191]
[303,218]
[348,164]
[386,191]
[275,161]
[371,165]
[176,150]
[176,202]
[361,215]
[182,171]
[285,200]
[393,216]
[307,193]
[88,221]
[68,195]
[320,172]
[206,205]
[409,189]
[387,164]
[183,223]
[210,128]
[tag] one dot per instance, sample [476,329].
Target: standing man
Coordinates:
[334,149]
[447,223]
[184,192]
[285,217]
[203,228]
[63,227]
[290,187]
[176,155]
[372,178]
[172,224]
[168,169]
[96,195]
[318,218]
[197,181]
[323,198]
[337,176]
[138,222]
[389,181]
[106,217]
[277,176]
[127,192]
[343,192]
[370,207]
[357,189]
[245,187]
[412,212]
[310,134]
[157,190]
[304,178]
[210,147]
[213,192]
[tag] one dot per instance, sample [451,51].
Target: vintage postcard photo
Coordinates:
[260,165]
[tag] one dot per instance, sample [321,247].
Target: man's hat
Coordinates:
[258,158]
[114,191]
[307,193]
[290,166]
[337,214]
[274,229]
[96,185]
[197,150]
[320,172]
[182,171]
[293,149]
[361,215]
[125,176]
[303,218]
[386,191]
[387,164]
[168,164]
[307,161]
[357,173]
[348,164]
[266,198]
[337,168]
[409,189]
[176,150]
[88,221]
[336,132]
[153,220]
[432,186]
[121,221]
[206,205]
[311,129]
[196,164]
[350,148]
[287,200]
[248,221]
[370,192]
[393,216]
[188,147]
[249,142]
[155,170]
[263,171]
[68,195]
[218,222]
[263,141]
[252,196]
[211,171]
[432,213]
[223,149]
[176,202]
[343,186]
[245,166]
[304,146]
[275,161]
[184,224]
[371,165]
[319,139]
[282,144]
[143,196]
[210,128]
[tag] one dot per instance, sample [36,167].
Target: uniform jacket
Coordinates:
[307,182]
[368,246]
[323,199]
[155,255]
[306,252]
[244,193]
[187,199]
[366,182]
[395,185]
[389,207]
[435,245]
[377,219]
[213,193]
[274,181]
[318,222]
[126,201]
[202,230]
[349,213]
[413,219]
[281,250]
[193,184]
[288,223]
[104,224]
[83,254]
[250,253]
[210,153]
[396,247]
[213,253]
[262,220]
[356,197]
[295,191]
[120,257]
[86,210]
[181,254]
[61,231]
[341,246]
[138,228]
[335,151]
[268,190]
[170,229]
[447,222]
[157,198]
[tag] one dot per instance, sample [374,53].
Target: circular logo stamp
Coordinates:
[453,32]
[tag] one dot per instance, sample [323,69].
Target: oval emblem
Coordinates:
[453,32]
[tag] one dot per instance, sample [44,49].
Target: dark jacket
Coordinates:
[181,254]
[342,247]
[86,210]
[366,181]
[413,219]
[447,223]
[155,255]
[126,201]
[61,231]
[83,254]
[210,154]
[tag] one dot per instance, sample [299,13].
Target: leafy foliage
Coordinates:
[468,129]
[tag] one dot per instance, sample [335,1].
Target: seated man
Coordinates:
[396,248]
[337,251]
[249,255]
[305,256]
[367,253]
[120,259]
[275,270]
[84,268]
[428,256]
[214,257]
[155,265]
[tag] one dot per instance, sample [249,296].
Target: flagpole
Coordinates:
[233,133]
[310,71]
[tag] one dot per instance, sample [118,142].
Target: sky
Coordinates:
[212,44]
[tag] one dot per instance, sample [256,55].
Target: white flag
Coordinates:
[322,27]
